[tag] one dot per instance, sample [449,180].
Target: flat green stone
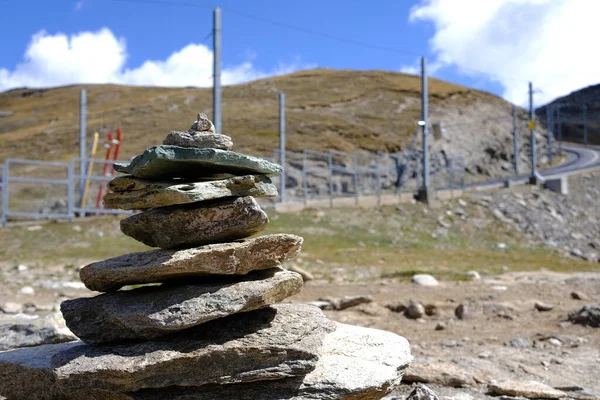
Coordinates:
[170,162]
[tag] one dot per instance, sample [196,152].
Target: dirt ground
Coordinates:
[502,336]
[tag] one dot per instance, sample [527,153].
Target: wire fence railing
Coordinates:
[462,155]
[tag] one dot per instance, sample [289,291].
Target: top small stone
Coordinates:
[202,124]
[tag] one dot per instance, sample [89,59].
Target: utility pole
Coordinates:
[82,137]
[282,146]
[217,69]
[533,179]
[515,140]
[425,193]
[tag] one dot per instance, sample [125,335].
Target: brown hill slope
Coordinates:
[326,109]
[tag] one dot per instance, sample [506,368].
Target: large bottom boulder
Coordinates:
[286,351]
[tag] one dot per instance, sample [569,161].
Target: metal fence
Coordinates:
[33,190]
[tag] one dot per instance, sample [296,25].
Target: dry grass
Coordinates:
[326,109]
[363,242]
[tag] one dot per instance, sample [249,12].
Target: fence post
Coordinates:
[515,140]
[5,179]
[425,194]
[282,154]
[356,188]
[330,177]
[82,135]
[304,176]
[378,177]
[70,190]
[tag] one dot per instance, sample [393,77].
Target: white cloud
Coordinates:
[100,57]
[513,42]
[415,67]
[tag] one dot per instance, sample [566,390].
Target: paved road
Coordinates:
[579,159]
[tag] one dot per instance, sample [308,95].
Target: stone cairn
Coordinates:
[198,318]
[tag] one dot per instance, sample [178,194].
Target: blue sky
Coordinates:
[162,42]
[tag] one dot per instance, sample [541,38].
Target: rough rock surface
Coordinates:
[200,140]
[170,193]
[282,341]
[424,280]
[235,258]
[588,315]
[25,331]
[202,124]
[155,311]
[422,392]
[355,363]
[168,162]
[445,374]
[529,389]
[196,224]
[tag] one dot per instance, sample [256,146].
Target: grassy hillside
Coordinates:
[326,109]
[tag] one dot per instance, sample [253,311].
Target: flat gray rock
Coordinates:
[200,140]
[154,311]
[275,343]
[161,194]
[25,331]
[528,389]
[355,363]
[196,224]
[235,258]
[169,162]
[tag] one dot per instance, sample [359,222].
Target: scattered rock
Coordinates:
[397,306]
[555,342]
[347,301]
[11,307]
[431,310]
[473,275]
[443,223]
[588,315]
[579,296]
[424,280]
[19,331]
[520,343]
[528,389]
[150,312]
[151,194]
[323,305]
[169,162]
[236,258]
[28,290]
[414,310]
[444,374]
[440,326]
[462,311]
[422,392]
[306,276]
[196,224]
[543,306]
[22,268]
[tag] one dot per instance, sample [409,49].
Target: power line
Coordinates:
[276,23]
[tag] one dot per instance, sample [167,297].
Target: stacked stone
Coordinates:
[205,324]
